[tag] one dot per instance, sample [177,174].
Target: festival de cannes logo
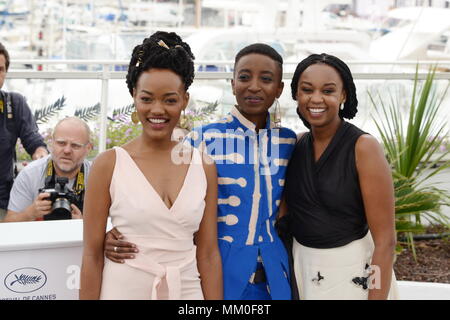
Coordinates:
[25,280]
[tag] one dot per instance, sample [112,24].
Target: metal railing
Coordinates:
[105,74]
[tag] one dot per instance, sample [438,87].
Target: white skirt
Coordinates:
[338,273]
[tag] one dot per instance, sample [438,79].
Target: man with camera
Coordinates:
[52,188]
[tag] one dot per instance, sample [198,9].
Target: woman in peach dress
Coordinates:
[161,196]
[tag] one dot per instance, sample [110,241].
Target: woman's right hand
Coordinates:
[117,249]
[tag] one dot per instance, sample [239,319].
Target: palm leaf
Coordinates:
[45,114]
[89,113]
[122,114]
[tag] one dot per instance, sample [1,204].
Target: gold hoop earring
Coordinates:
[134,117]
[277,114]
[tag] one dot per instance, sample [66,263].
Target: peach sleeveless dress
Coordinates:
[166,265]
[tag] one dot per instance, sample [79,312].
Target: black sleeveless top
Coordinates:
[325,205]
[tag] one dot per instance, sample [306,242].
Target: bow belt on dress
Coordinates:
[181,249]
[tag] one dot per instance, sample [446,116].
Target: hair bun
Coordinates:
[162,50]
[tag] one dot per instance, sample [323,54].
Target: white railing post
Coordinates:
[104,108]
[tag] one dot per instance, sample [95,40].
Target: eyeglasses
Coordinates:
[73,145]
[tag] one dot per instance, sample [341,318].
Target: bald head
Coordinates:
[70,146]
[75,123]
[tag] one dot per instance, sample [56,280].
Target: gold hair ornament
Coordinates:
[140,53]
[163,44]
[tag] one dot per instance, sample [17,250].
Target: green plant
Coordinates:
[415,153]
[120,132]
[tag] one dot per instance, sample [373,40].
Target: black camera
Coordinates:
[61,197]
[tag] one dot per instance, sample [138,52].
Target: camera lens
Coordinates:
[60,210]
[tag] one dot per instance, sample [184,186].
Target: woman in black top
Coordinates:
[339,192]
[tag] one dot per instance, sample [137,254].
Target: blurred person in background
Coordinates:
[16,121]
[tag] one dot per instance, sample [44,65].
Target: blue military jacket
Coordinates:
[251,169]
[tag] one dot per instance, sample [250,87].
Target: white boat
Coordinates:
[410,32]
[154,14]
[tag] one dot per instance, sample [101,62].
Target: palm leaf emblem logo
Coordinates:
[24,279]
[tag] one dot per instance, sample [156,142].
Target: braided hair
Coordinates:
[260,48]
[161,50]
[351,102]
